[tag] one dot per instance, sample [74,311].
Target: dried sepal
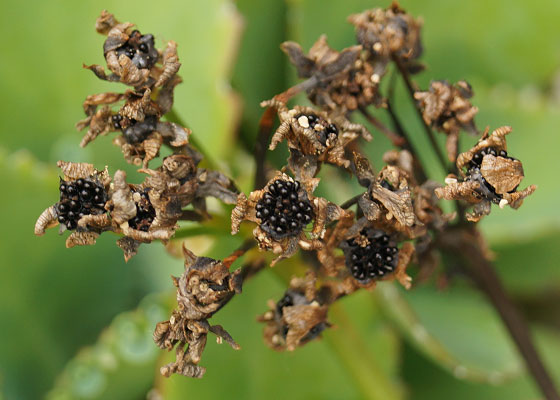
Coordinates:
[488,175]
[317,134]
[447,108]
[282,210]
[81,238]
[387,33]
[204,288]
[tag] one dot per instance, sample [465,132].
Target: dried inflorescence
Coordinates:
[138,121]
[488,175]
[338,80]
[83,197]
[447,108]
[132,57]
[314,137]
[282,210]
[203,289]
[387,34]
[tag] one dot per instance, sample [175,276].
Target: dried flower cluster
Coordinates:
[397,214]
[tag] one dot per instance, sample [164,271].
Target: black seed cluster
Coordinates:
[140,49]
[474,172]
[136,131]
[145,213]
[375,260]
[330,132]
[281,211]
[78,198]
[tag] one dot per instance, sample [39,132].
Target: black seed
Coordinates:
[503,153]
[61,219]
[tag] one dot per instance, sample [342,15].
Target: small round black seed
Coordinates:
[61,219]
[502,153]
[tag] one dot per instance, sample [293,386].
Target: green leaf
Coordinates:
[456,329]
[121,364]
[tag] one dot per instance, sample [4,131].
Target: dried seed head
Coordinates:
[204,288]
[83,195]
[447,108]
[490,175]
[297,318]
[132,57]
[317,135]
[389,33]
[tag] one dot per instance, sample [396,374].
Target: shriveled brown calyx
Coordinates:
[132,57]
[81,208]
[314,137]
[488,175]
[282,211]
[204,288]
[447,108]
[388,33]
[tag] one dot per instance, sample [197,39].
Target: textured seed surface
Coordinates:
[281,210]
[374,260]
[78,198]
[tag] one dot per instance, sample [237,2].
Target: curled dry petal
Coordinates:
[46,220]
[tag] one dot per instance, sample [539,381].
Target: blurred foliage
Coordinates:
[428,343]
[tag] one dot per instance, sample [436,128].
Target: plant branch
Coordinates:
[465,244]
[396,140]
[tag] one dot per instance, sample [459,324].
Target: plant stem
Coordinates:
[396,140]
[464,243]
[429,133]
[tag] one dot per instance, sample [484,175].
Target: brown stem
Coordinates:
[350,202]
[265,129]
[465,244]
[427,129]
[396,139]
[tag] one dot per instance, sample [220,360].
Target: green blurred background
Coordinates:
[76,324]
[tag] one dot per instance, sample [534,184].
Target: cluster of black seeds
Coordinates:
[281,211]
[136,131]
[145,213]
[330,132]
[78,198]
[140,49]
[374,260]
[474,173]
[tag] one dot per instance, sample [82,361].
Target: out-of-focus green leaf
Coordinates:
[427,381]
[260,68]
[122,362]
[456,328]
